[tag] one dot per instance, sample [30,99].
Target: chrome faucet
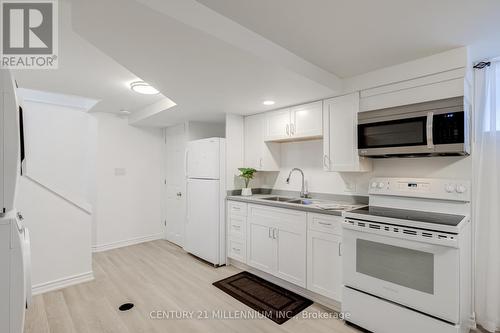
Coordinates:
[303,192]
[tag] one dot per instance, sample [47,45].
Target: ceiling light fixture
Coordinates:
[144,88]
[268,102]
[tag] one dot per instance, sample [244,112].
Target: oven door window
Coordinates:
[405,267]
[394,133]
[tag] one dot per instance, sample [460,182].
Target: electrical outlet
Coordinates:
[350,187]
[120,171]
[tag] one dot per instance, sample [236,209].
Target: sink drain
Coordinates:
[126,306]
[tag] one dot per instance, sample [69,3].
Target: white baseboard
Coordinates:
[62,283]
[127,242]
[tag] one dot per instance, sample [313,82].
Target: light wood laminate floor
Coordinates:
[156,276]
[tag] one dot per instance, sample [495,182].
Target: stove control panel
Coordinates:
[432,188]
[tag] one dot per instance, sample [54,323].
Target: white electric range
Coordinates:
[407,257]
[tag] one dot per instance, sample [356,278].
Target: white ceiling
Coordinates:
[86,71]
[350,37]
[213,57]
[204,75]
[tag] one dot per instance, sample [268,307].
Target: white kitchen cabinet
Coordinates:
[276,242]
[277,125]
[306,121]
[291,260]
[237,230]
[324,265]
[261,247]
[260,155]
[324,261]
[340,139]
[301,122]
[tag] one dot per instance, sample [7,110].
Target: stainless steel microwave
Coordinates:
[433,128]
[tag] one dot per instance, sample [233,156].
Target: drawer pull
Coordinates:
[237,227]
[236,208]
[236,250]
[324,223]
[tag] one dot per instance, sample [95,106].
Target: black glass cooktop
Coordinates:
[411,215]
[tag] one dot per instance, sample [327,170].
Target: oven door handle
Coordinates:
[429,129]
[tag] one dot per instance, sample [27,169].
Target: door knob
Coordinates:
[179,194]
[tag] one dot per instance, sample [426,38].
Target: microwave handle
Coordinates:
[430,139]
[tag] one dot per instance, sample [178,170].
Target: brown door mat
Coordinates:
[270,300]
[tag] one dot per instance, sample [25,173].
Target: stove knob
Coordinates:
[450,188]
[381,185]
[461,189]
[374,185]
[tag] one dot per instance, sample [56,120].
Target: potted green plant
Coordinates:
[247,175]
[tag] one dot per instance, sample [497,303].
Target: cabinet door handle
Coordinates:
[324,223]
[287,127]
[236,250]
[237,227]
[326,161]
[292,129]
[260,162]
[275,233]
[269,233]
[340,249]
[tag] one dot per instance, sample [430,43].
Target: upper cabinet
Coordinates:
[260,155]
[340,141]
[277,125]
[300,122]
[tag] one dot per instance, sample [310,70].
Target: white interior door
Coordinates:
[175,184]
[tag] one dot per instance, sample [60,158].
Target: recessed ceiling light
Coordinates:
[268,102]
[142,87]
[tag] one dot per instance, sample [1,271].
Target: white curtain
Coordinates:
[486,157]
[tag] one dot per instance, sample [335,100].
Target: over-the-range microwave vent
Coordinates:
[434,128]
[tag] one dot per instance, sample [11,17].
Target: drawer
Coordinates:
[237,208]
[325,223]
[237,250]
[278,217]
[237,226]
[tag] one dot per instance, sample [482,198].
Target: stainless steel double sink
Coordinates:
[289,200]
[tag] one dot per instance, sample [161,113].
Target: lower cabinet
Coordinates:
[298,247]
[324,264]
[324,261]
[276,242]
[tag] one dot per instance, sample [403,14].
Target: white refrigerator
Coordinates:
[206,192]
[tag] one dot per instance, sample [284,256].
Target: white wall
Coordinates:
[128,206]
[54,196]
[60,237]
[60,148]
[307,156]
[201,130]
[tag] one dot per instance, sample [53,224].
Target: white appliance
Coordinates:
[206,190]
[15,262]
[407,257]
